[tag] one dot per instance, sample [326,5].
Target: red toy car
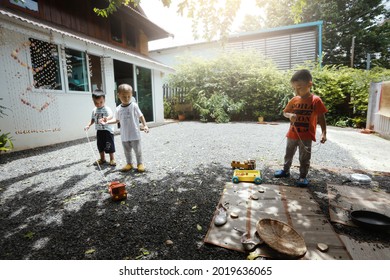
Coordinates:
[117,190]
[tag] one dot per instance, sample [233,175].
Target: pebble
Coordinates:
[168,242]
[322,247]
[234,215]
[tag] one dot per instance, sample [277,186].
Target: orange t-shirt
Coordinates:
[307,110]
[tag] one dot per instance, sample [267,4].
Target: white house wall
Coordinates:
[34,124]
[174,56]
[286,51]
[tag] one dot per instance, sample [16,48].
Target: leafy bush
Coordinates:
[244,85]
[345,92]
[218,107]
[5,140]
[232,85]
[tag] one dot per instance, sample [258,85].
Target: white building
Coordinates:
[53,54]
[286,46]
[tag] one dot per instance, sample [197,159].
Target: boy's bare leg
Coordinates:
[102,156]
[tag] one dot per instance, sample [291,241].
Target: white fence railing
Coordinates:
[378,103]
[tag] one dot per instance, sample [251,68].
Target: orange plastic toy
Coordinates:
[117,190]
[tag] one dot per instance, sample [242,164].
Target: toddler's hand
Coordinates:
[293,118]
[146,129]
[86,128]
[323,138]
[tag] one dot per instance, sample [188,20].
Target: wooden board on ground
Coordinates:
[291,205]
[365,251]
[344,199]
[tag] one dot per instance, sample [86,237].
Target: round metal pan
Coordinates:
[370,219]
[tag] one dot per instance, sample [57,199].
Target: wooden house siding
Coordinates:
[79,17]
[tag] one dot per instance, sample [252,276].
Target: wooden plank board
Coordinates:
[291,205]
[364,250]
[344,199]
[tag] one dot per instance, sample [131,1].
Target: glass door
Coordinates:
[144,92]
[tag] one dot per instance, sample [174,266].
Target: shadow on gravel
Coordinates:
[9,157]
[89,225]
[10,181]
[78,220]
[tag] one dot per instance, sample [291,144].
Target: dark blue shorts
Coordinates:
[105,141]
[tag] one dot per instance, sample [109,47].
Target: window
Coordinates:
[131,36]
[116,30]
[45,65]
[31,5]
[95,71]
[77,72]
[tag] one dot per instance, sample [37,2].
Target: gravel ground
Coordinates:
[54,203]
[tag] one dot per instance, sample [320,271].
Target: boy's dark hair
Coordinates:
[97,93]
[302,75]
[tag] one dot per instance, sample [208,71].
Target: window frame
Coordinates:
[125,25]
[60,68]
[65,71]
[25,10]
[102,74]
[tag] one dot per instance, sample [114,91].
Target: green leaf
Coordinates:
[90,251]
[29,235]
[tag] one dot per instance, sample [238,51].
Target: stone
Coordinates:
[322,247]
[234,215]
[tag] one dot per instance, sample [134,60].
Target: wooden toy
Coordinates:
[117,190]
[247,176]
[249,164]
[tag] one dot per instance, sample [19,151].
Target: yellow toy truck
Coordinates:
[247,176]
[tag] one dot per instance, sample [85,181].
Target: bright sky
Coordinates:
[169,20]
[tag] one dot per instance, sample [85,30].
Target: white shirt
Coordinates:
[128,117]
[99,113]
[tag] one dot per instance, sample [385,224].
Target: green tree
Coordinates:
[343,20]
[251,23]
[366,20]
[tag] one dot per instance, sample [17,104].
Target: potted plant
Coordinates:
[6,142]
[260,116]
[181,116]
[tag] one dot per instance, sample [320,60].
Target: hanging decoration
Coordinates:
[39,108]
[43,68]
[27,59]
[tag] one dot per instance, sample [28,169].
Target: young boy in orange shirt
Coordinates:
[304,111]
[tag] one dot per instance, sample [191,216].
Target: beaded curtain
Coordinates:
[30,76]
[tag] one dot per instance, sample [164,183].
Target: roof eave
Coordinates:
[152,30]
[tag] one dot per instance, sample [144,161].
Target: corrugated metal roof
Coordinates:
[50,28]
